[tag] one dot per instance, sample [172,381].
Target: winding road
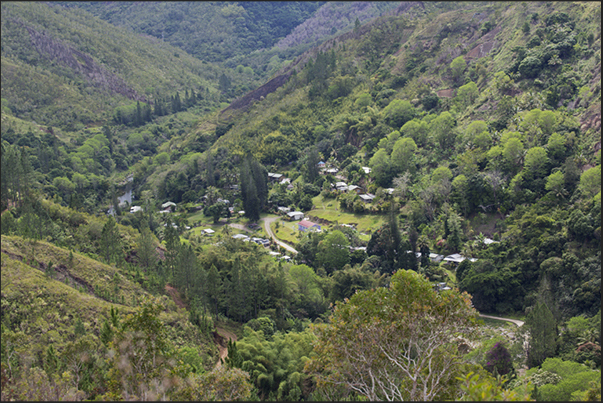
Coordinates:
[267,222]
[519,323]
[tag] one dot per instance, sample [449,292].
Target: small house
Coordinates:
[208,231]
[366,170]
[295,215]
[341,186]
[274,176]
[454,258]
[285,180]
[489,241]
[283,209]
[305,225]
[168,205]
[134,209]
[321,164]
[241,236]
[434,257]
[355,188]
[332,171]
[367,198]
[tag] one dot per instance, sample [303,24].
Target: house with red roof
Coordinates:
[305,225]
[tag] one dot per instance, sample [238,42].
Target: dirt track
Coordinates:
[519,323]
[222,340]
[267,222]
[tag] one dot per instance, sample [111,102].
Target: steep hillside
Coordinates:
[66,68]
[53,299]
[224,33]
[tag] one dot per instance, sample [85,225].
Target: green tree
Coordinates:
[221,384]
[398,112]
[110,242]
[395,343]
[311,166]
[466,95]
[402,157]
[536,162]
[555,184]
[590,181]
[381,168]
[145,251]
[254,187]
[417,130]
[457,68]
[442,129]
[542,334]
[140,362]
[333,251]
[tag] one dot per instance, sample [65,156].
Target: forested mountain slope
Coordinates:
[66,68]
[260,36]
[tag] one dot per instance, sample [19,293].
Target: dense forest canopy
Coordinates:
[301,200]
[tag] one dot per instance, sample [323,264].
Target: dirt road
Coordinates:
[519,323]
[222,338]
[267,222]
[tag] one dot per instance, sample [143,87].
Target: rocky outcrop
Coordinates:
[79,62]
[259,93]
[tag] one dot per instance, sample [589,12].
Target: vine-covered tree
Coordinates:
[397,343]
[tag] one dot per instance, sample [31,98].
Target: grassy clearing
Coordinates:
[329,210]
[287,231]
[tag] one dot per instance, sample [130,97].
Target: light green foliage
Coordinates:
[333,252]
[557,379]
[466,95]
[502,82]
[442,131]
[363,100]
[458,67]
[556,146]
[387,143]
[488,388]
[307,282]
[555,183]
[221,384]
[394,333]
[536,161]
[402,157]
[475,129]
[547,121]
[276,365]
[590,181]
[513,154]
[417,130]
[398,112]
[381,167]
[441,173]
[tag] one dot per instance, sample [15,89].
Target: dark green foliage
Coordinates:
[254,187]
[110,242]
[543,334]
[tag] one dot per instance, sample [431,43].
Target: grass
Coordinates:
[45,308]
[329,210]
[287,231]
[98,276]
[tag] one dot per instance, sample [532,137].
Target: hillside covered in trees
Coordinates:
[301,200]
